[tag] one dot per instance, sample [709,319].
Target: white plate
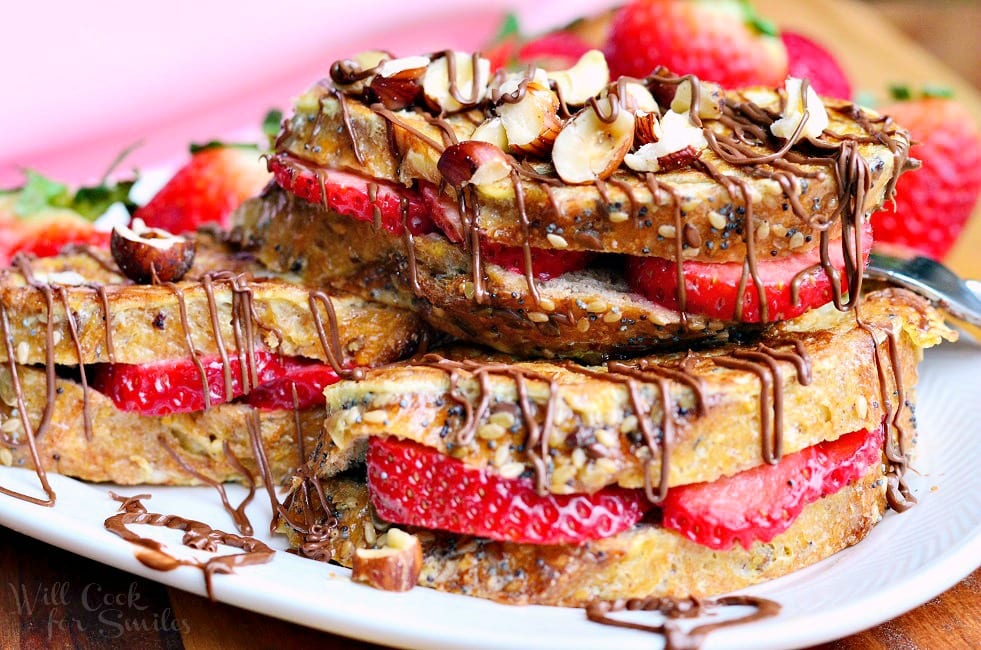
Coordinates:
[906,560]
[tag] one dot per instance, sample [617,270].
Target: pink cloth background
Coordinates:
[86,79]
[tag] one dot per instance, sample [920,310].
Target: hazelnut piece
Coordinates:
[394,567]
[473,161]
[146,254]
[591,146]
[398,83]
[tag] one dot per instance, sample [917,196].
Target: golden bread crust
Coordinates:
[595,431]
[646,560]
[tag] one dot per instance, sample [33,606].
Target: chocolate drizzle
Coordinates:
[42,476]
[674,609]
[197,535]
[237,513]
[762,362]
[898,494]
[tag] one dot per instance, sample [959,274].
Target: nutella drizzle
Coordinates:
[237,513]
[898,494]
[189,342]
[197,535]
[73,331]
[42,476]
[104,298]
[681,608]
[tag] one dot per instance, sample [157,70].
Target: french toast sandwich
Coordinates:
[678,474]
[163,383]
[567,214]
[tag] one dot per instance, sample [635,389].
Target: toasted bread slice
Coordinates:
[802,382]
[116,321]
[622,215]
[646,560]
[132,449]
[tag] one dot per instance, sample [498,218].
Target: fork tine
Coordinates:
[930,279]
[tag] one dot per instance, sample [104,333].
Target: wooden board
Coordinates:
[875,55]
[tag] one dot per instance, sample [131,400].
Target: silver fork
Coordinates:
[932,280]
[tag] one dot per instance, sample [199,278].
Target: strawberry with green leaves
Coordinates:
[933,203]
[717,40]
[218,178]
[43,216]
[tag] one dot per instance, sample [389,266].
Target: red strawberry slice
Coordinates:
[309,378]
[417,486]
[711,288]
[348,194]
[809,60]
[175,386]
[545,263]
[760,503]
[216,180]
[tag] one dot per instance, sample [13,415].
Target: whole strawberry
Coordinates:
[716,40]
[933,203]
[809,60]
[217,180]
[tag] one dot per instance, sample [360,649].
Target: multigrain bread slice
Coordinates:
[332,131]
[644,561]
[730,410]
[117,321]
[592,313]
[722,416]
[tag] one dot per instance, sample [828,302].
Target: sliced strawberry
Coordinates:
[216,180]
[309,378]
[711,288]
[545,263]
[418,486]
[174,386]
[760,503]
[348,194]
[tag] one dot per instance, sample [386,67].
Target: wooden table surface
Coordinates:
[53,599]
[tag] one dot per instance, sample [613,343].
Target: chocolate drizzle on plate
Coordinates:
[197,535]
[674,609]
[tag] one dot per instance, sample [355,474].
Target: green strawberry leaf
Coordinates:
[38,193]
[509,28]
[759,23]
[218,144]
[272,122]
[903,93]
[92,202]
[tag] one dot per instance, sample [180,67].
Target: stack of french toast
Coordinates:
[539,337]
